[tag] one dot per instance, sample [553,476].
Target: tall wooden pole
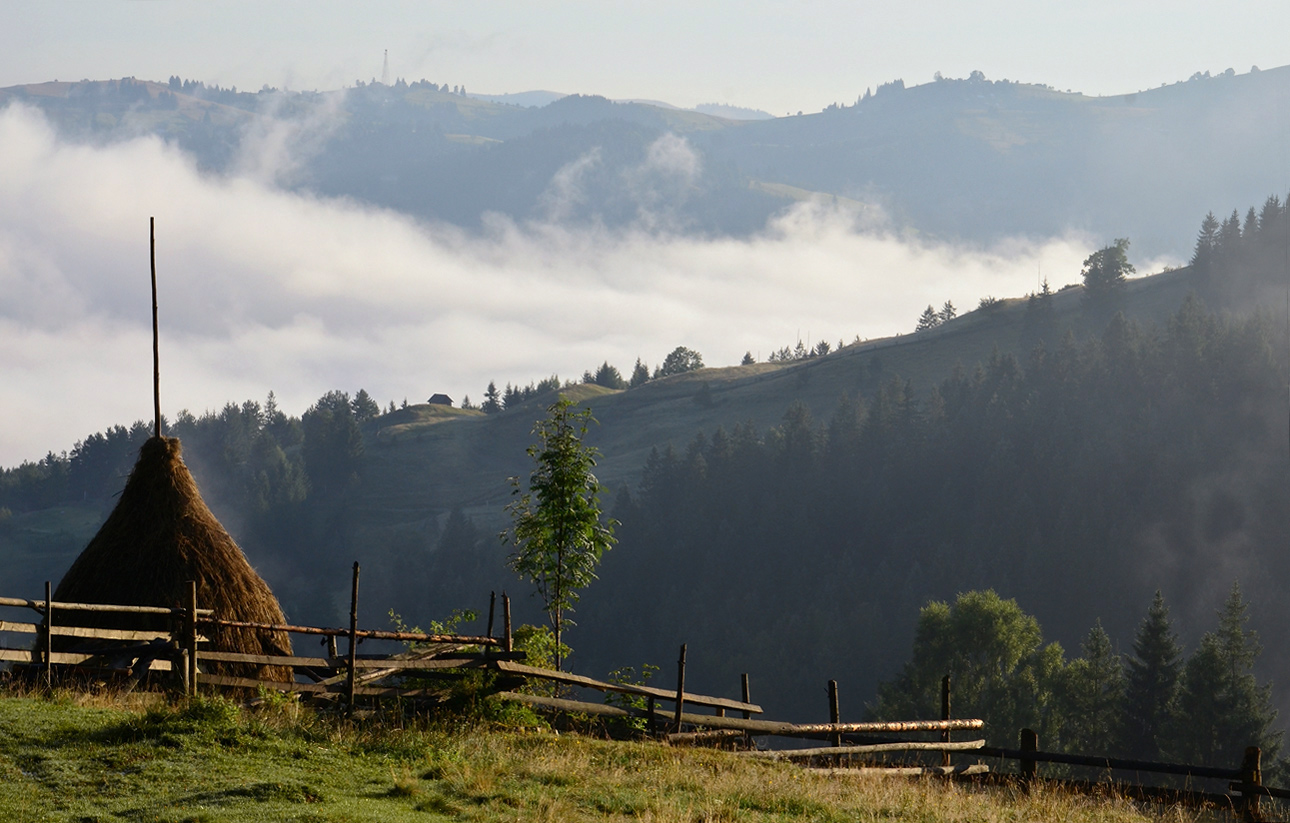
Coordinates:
[835,713]
[506,622]
[156,353]
[680,689]
[945,715]
[49,635]
[191,674]
[353,642]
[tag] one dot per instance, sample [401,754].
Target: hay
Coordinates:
[160,536]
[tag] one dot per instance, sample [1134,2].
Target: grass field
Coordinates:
[70,758]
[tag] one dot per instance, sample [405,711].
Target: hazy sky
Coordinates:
[777,56]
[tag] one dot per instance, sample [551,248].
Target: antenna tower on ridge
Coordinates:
[385,69]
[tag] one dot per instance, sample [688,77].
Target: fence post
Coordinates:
[506,621]
[835,714]
[49,635]
[1029,766]
[945,715]
[680,688]
[353,643]
[191,663]
[492,604]
[1251,783]
[747,695]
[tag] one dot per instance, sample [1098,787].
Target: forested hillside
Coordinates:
[1076,451]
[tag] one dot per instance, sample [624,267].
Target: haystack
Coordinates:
[160,536]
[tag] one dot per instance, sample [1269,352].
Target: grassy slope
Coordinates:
[206,762]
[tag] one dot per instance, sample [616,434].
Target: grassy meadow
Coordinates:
[85,758]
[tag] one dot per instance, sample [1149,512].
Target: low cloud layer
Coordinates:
[263,289]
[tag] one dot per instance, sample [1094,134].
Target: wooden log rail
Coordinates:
[1111,763]
[626,688]
[759,727]
[39,606]
[871,748]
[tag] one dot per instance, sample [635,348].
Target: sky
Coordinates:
[776,56]
[263,289]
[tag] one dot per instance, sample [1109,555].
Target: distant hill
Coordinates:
[967,160]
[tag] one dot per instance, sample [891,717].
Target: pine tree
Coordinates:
[929,319]
[1151,694]
[947,312]
[492,399]
[1222,707]
[1093,692]
[640,375]
[1203,257]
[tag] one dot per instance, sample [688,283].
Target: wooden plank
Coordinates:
[904,771]
[265,659]
[644,691]
[67,658]
[560,704]
[82,631]
[872,748]
[252,683]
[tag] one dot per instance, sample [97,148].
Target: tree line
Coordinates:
[1153,703]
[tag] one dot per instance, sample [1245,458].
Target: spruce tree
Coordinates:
[1222,707]
[640,374]
[1206,241]
[1151,688]
[929,319]
[492,399]
[1093,694]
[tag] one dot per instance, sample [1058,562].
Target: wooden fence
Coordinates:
[853,748]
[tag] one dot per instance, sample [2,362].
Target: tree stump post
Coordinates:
[1251,784]
[1029,766]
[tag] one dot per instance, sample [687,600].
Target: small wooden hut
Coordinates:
[161,535]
